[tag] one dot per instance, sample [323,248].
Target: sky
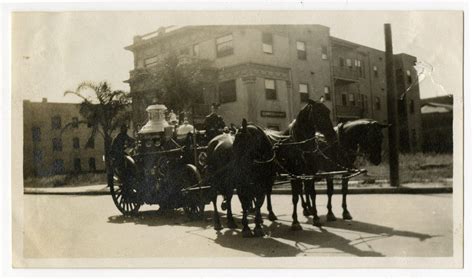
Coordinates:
[55,51]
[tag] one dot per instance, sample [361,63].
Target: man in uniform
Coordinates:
[214,123]
[121,141]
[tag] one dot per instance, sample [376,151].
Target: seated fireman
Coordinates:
[214,123]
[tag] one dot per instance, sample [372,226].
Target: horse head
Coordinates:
[370,140]
[315,117]
[251,143]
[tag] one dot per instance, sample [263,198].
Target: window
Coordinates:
[341,62]
[58,166]
[270,89]
[301,50]
[57,144]
[151,61]
[377,103]
[324,52]
[38,156]
[227,92]
[364,102]
[36,132]
[409,77]
[376,72]
[327,94]
[267,43]
[358,65]
[304,94]
[75,122]
[349,62]
[352,99]
[344,99]
[412,106]
[196,50]
[224,46]
[77,164]
[92,166]
[75,143]
[56,122]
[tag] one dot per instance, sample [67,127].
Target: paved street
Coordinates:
[383,226]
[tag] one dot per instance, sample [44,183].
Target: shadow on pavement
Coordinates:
[374,229]
[280,241]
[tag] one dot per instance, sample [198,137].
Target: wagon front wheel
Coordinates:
[193,196]
[124,195]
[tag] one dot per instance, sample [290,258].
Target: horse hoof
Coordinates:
[330,217]
[218,227]
[306,212]
[272,217]
[258,232]
[296,227]
[231,224]
[246,233]
[346,215]
[317,222]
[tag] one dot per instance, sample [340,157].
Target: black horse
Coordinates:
[255,172]
[358,137]
[243,162]
[220,174]
[295,148]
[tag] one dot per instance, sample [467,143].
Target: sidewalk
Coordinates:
[355,187]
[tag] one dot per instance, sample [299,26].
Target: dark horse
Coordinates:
[358,137]
[255,172]
[245,163]
[295,148]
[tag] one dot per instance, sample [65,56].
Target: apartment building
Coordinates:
[266,73]
[50,149]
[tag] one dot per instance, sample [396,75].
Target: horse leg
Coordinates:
[345,214]
[230,219]
[271,215]
[305,201]
[296,189]
[217,221]
[258,231]
[330,216]
[246,232]
[312,193]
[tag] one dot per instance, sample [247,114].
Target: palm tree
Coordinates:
[104,111]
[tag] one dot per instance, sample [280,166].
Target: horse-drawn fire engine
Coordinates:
[158,170]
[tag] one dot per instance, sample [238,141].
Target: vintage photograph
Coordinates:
[304,139]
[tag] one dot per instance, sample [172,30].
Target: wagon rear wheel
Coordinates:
[124,193]
[194,202]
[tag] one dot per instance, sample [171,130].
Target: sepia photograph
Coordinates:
[237,139]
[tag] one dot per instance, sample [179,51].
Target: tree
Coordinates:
[104,112]
[179,80]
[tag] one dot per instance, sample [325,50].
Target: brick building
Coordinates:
[48,150]
[265,73]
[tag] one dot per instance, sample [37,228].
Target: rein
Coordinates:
[256,161]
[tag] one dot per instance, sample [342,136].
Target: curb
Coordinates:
[287,191]
[394,190]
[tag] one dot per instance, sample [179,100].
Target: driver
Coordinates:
[214,123]
[121,141]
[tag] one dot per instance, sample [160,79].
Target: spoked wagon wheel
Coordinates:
[193,203]
[124,194]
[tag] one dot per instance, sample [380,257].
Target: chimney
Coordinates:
[45,100]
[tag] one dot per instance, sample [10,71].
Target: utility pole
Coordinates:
[392,108]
